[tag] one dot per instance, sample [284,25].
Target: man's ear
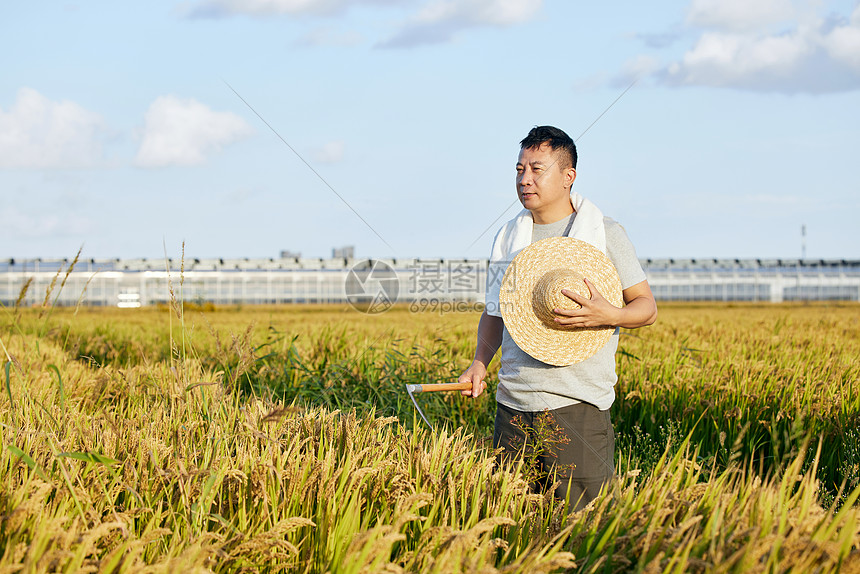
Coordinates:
[569,177]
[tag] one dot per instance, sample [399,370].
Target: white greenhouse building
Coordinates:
[427,282]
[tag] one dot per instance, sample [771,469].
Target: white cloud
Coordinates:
[219,8]
[184,131]
[433,21]
[216,8]
[843,42]
[331,152]
[813,55]
[732,59]
[329,37]
[440,20]
[635,69]
[738,14]
[19,224]
[493,12]
[39,133]
[240,195]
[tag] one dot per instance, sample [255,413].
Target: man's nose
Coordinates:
[525,178]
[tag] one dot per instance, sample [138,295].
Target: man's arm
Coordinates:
[640,308]
[489,341]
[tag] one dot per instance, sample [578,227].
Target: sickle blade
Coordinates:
[417,389]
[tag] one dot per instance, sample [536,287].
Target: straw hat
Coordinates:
[531,289]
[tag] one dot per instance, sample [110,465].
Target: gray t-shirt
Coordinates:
[528,385]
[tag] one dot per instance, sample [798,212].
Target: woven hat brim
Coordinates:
[558,347]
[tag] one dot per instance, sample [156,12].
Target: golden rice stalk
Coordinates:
[48,292]
[22,294]
[32,505]
[71,267]
[369,550]
[272,543]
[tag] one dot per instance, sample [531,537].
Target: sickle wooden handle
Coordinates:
[439,387]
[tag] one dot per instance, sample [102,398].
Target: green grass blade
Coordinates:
[28,461]
[61,387]
[9,387]
[93,457]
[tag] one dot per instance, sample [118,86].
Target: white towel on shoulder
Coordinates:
[516,234]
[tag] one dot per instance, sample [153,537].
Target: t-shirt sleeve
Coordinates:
[621,252]
[495,273]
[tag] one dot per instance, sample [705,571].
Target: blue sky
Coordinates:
[119,130]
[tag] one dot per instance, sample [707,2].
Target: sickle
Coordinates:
[434,387]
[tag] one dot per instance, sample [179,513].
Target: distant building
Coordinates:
[424,282]
[347,252]
[773,280]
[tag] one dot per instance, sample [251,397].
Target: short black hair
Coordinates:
[557,140]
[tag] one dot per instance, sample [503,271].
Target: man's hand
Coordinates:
[475,374]
[594,312]
[639,309]
[489,340]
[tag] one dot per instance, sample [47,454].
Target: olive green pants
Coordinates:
[575,447]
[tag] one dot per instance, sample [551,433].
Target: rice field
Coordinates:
[282,439]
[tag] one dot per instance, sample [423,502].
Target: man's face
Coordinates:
[542,187]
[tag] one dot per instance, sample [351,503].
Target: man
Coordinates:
[577,396]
